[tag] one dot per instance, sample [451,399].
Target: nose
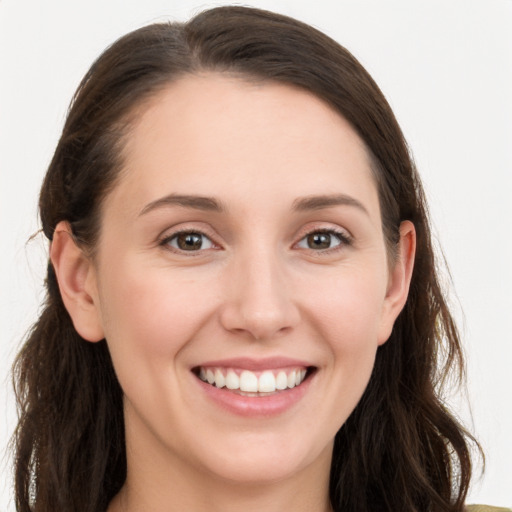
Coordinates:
[259,300]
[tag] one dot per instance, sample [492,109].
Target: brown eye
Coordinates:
[190,241]
[321,240]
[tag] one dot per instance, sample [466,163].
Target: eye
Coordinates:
[322,240]
[189,241]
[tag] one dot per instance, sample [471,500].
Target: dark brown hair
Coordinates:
[400,449]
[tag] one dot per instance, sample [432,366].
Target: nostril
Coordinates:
[258,324]
[259,307]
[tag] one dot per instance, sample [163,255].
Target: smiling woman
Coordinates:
[213,307]
[243,310]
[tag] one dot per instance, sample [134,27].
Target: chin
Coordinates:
[263,471]
[267,461]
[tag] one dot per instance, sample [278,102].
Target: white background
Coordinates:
[444,65]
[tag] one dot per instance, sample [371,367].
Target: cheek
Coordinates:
[348,310]
[149,318]
[151,312]
[343,317]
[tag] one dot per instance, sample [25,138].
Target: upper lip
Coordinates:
[253,364]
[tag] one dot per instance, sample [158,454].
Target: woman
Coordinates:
[243,309]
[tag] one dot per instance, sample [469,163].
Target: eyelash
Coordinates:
[344,239]
[166,242]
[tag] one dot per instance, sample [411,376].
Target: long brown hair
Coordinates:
[401,449]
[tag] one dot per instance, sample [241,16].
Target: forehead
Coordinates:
[213,134]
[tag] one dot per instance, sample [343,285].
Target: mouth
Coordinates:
[254,383]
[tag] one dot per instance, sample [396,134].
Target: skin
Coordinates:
[256,289]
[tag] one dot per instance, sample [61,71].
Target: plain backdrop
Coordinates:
[446,68]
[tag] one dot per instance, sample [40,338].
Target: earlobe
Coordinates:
[399,280]
[77,283]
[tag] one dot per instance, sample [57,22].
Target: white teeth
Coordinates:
[267,381]
[210,377]
[281,380]
[248,381]
[220,380]
[232,380]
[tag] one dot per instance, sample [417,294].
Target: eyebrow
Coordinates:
[204,203]
[326,201]
[210,204]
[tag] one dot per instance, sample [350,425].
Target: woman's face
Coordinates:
[243,246]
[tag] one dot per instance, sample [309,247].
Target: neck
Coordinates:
[250,498]
[162,478]
[175,488]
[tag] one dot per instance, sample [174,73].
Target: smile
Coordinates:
[246,381]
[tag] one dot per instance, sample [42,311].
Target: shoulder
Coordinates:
[486,508]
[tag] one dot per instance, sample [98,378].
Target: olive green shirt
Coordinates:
[486,508]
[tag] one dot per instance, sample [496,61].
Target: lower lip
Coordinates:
[255,406]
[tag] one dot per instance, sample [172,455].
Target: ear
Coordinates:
[77,283]
[399,280]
